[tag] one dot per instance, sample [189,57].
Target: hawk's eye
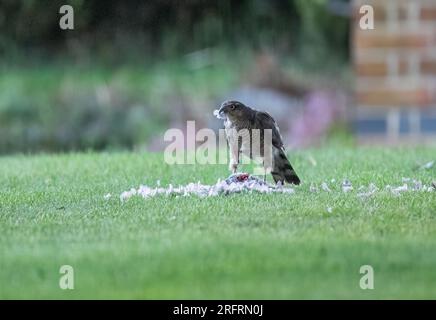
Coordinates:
[232,107]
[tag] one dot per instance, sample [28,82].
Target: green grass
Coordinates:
[52,213]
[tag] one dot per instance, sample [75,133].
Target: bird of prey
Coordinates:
[240,122]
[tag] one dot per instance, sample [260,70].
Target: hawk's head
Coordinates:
[234,110]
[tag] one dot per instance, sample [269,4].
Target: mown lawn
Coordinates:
[53,213]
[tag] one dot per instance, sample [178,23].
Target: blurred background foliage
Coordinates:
[131,69]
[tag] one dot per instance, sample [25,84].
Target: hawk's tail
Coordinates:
[282,169]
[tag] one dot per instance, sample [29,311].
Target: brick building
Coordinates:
[395,69]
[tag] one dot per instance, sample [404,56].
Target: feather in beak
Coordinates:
[219,114]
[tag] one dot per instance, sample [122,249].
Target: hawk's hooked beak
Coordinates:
[221,112]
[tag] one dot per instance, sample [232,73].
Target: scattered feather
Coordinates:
[417,185]
[427,165]
[216,113]
[325,187]
[246,183]
[313,188]
[347,186]
[236,183]
[398,190]
[367,192]
[126,195]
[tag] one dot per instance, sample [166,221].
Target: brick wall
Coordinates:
[395,63]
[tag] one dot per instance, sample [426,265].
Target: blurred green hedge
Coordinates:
[54,111]
[70,107]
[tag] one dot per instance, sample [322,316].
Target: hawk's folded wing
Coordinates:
[263,120]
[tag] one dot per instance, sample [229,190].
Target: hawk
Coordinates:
[240,122]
